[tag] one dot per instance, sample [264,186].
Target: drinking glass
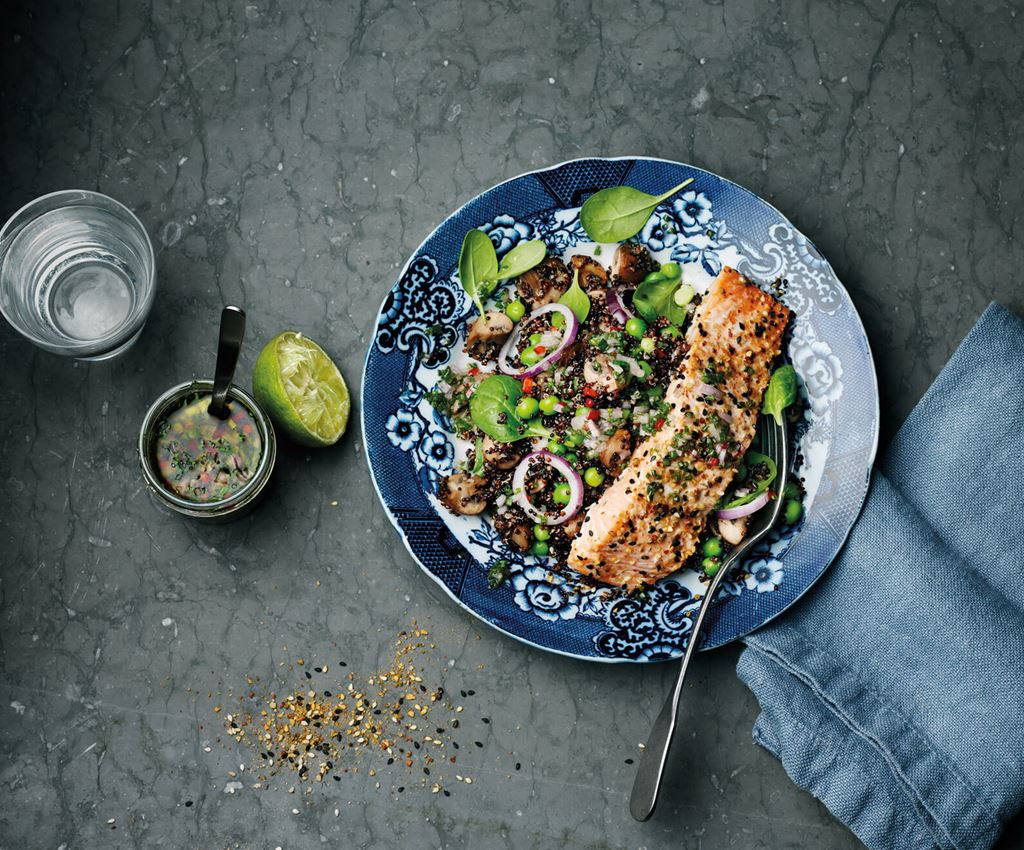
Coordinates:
[77,274]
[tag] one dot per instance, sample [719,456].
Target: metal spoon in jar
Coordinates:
[232,329]
[652,762]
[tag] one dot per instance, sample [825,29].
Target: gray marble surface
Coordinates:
[288,157]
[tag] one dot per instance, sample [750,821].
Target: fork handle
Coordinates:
[644,796]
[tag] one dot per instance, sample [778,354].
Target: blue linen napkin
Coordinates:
[895,691]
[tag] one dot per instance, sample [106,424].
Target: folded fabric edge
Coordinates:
[825,763]
[905,752]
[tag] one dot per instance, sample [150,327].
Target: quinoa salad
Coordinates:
[568,365]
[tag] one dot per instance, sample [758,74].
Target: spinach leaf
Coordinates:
[754,459]
[493,408]
[655,296]
[781,392]
[498,574]
[521,259]
[619,212]
[576,299]
[478,264]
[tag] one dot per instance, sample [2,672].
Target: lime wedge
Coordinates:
[300,387]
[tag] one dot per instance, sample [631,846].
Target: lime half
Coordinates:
[302,390]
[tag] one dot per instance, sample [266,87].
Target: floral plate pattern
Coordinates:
[409,447]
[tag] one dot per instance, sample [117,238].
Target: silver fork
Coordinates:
[652,763]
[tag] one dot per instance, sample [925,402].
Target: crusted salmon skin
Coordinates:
[648,522]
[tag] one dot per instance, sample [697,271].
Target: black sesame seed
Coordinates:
[478,743]
[188,803]
[518,765]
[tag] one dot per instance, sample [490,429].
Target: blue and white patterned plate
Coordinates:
[420,329]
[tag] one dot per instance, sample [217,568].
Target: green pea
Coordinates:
[573,458]
[548,404]
[636,327]
[671,331]
[526,407]
[562,494]
[647,345]
[541,532]
[574,438]
[558,321]
[710,566]
[684,295]
[712,547]
[555,447]
[670,270]
[793,511]
[593,476]
[540,548]
[529,357]
[515,310]
[535,339]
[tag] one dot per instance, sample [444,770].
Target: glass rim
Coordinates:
[221,507]
[125,332]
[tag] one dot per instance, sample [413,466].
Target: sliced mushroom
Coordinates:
[487,333]
[514,531]
[632,263]
[545,283]
[520,536]
[599,373]
[616,451]
[501,455]
[572,527]
[463,493]
[592,275]
[732,531]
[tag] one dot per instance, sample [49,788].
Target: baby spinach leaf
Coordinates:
[620,212]
[753,460]
[521,259]
[781,392]
[478,265]
[576,299]
[655,296]
[493,409]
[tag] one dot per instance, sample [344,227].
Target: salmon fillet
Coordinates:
[648,522]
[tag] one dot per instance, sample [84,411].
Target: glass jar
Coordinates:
[236,503]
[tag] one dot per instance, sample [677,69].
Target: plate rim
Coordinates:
[871,455]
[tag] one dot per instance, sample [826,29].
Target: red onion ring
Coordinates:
[572,327]
[571,476]
[745,510]
[617,303]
